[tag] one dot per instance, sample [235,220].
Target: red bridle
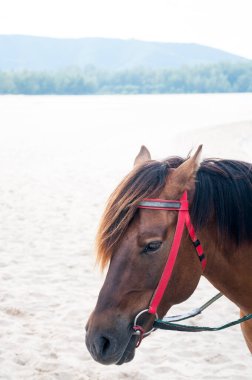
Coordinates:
[183,220]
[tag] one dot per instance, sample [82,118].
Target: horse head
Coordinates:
[136,243]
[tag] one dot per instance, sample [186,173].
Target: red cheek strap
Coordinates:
[183,219]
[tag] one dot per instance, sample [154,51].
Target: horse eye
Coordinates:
[153,246]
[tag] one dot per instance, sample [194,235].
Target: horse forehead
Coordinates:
[153,219]
[146,220]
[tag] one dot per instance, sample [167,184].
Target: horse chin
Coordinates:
[129,352]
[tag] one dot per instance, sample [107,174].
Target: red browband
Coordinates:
[183,219]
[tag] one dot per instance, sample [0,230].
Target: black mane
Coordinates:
[225,188]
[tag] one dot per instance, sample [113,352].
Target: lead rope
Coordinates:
[192,313]
[167,323]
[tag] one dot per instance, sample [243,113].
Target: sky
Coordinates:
[223,24]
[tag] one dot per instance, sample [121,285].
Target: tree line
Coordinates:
[215,78]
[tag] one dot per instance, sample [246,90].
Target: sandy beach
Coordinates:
[57,170]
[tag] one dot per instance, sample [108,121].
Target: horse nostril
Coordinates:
[105,345]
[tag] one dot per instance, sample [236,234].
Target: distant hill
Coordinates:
[42,53]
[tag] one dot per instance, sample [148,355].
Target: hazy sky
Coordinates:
[225,24]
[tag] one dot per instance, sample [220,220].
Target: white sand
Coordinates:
[51,197]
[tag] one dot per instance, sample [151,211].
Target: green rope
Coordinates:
[212,300]
[160,324]
[168,323]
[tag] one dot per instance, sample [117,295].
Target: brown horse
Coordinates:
[136,243]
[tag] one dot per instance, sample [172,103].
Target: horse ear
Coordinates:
[143,155]
[183,177]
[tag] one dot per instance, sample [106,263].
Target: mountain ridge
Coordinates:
[22,52]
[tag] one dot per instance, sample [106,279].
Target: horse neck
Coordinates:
[229,268]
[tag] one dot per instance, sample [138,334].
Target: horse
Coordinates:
[135,242]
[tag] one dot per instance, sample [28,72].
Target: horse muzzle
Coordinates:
[110,345]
